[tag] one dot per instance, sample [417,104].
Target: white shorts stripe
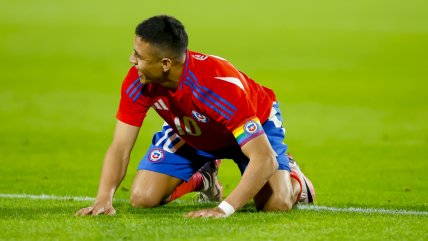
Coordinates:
[164,137]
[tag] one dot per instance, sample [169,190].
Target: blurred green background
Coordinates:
[351,77]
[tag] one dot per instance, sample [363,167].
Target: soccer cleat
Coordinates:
[212,191]
[307,195]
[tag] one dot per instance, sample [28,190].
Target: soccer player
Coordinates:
[211,111]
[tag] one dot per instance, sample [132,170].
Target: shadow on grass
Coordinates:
[174,208]
[43,209]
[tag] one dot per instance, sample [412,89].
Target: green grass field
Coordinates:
[351,77]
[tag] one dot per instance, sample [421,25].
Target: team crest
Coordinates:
[156,155]
[250,127]
[199,117]
[200,56]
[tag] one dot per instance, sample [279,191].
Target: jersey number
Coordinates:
[190,126]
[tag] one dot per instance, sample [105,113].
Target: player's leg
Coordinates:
[307,190]
[150,188]
[205,180]
[285,189]
[279,194]
[169,170]
[288,184]
[212,191]
[281,191]
[164,176]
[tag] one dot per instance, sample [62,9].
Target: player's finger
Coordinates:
[84,211]
[78,213]
[81,212]
[111,211]
[220,215]
[98,211]
[208,214]
[191,214]
[196,214]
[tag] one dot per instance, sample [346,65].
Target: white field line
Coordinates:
[361,210]
[45,197]
[301,207]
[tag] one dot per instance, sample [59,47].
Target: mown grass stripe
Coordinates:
[301,207]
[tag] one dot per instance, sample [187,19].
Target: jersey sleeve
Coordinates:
[248,130]
[134,103]
[234,104]
[244,124]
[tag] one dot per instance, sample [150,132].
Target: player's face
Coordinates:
[144,58]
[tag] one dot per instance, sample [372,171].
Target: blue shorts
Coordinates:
[170,155]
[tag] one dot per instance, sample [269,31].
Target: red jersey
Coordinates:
[215,105]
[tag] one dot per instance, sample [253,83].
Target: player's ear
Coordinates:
[166,64]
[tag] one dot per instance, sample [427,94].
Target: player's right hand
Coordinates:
[96,210]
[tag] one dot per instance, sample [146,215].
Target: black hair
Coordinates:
[164,31]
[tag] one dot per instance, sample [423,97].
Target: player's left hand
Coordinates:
[207,213]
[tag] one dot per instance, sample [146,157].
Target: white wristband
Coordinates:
[227,208]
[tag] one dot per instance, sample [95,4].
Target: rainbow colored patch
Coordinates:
[248,131]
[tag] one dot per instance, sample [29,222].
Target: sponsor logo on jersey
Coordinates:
[199,117]
[156,155]
[250,127]
[200,56]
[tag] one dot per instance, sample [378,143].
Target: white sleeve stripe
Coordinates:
[158,106]
[232,80]
[163,104]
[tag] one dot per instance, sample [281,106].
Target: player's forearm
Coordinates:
[113,171]
[259,170]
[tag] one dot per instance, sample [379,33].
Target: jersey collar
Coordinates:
[184,73]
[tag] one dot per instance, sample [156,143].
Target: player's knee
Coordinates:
[278,204]
[286,205]
[143,200]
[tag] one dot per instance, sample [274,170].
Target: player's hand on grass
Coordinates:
[96,209]
[207,213]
